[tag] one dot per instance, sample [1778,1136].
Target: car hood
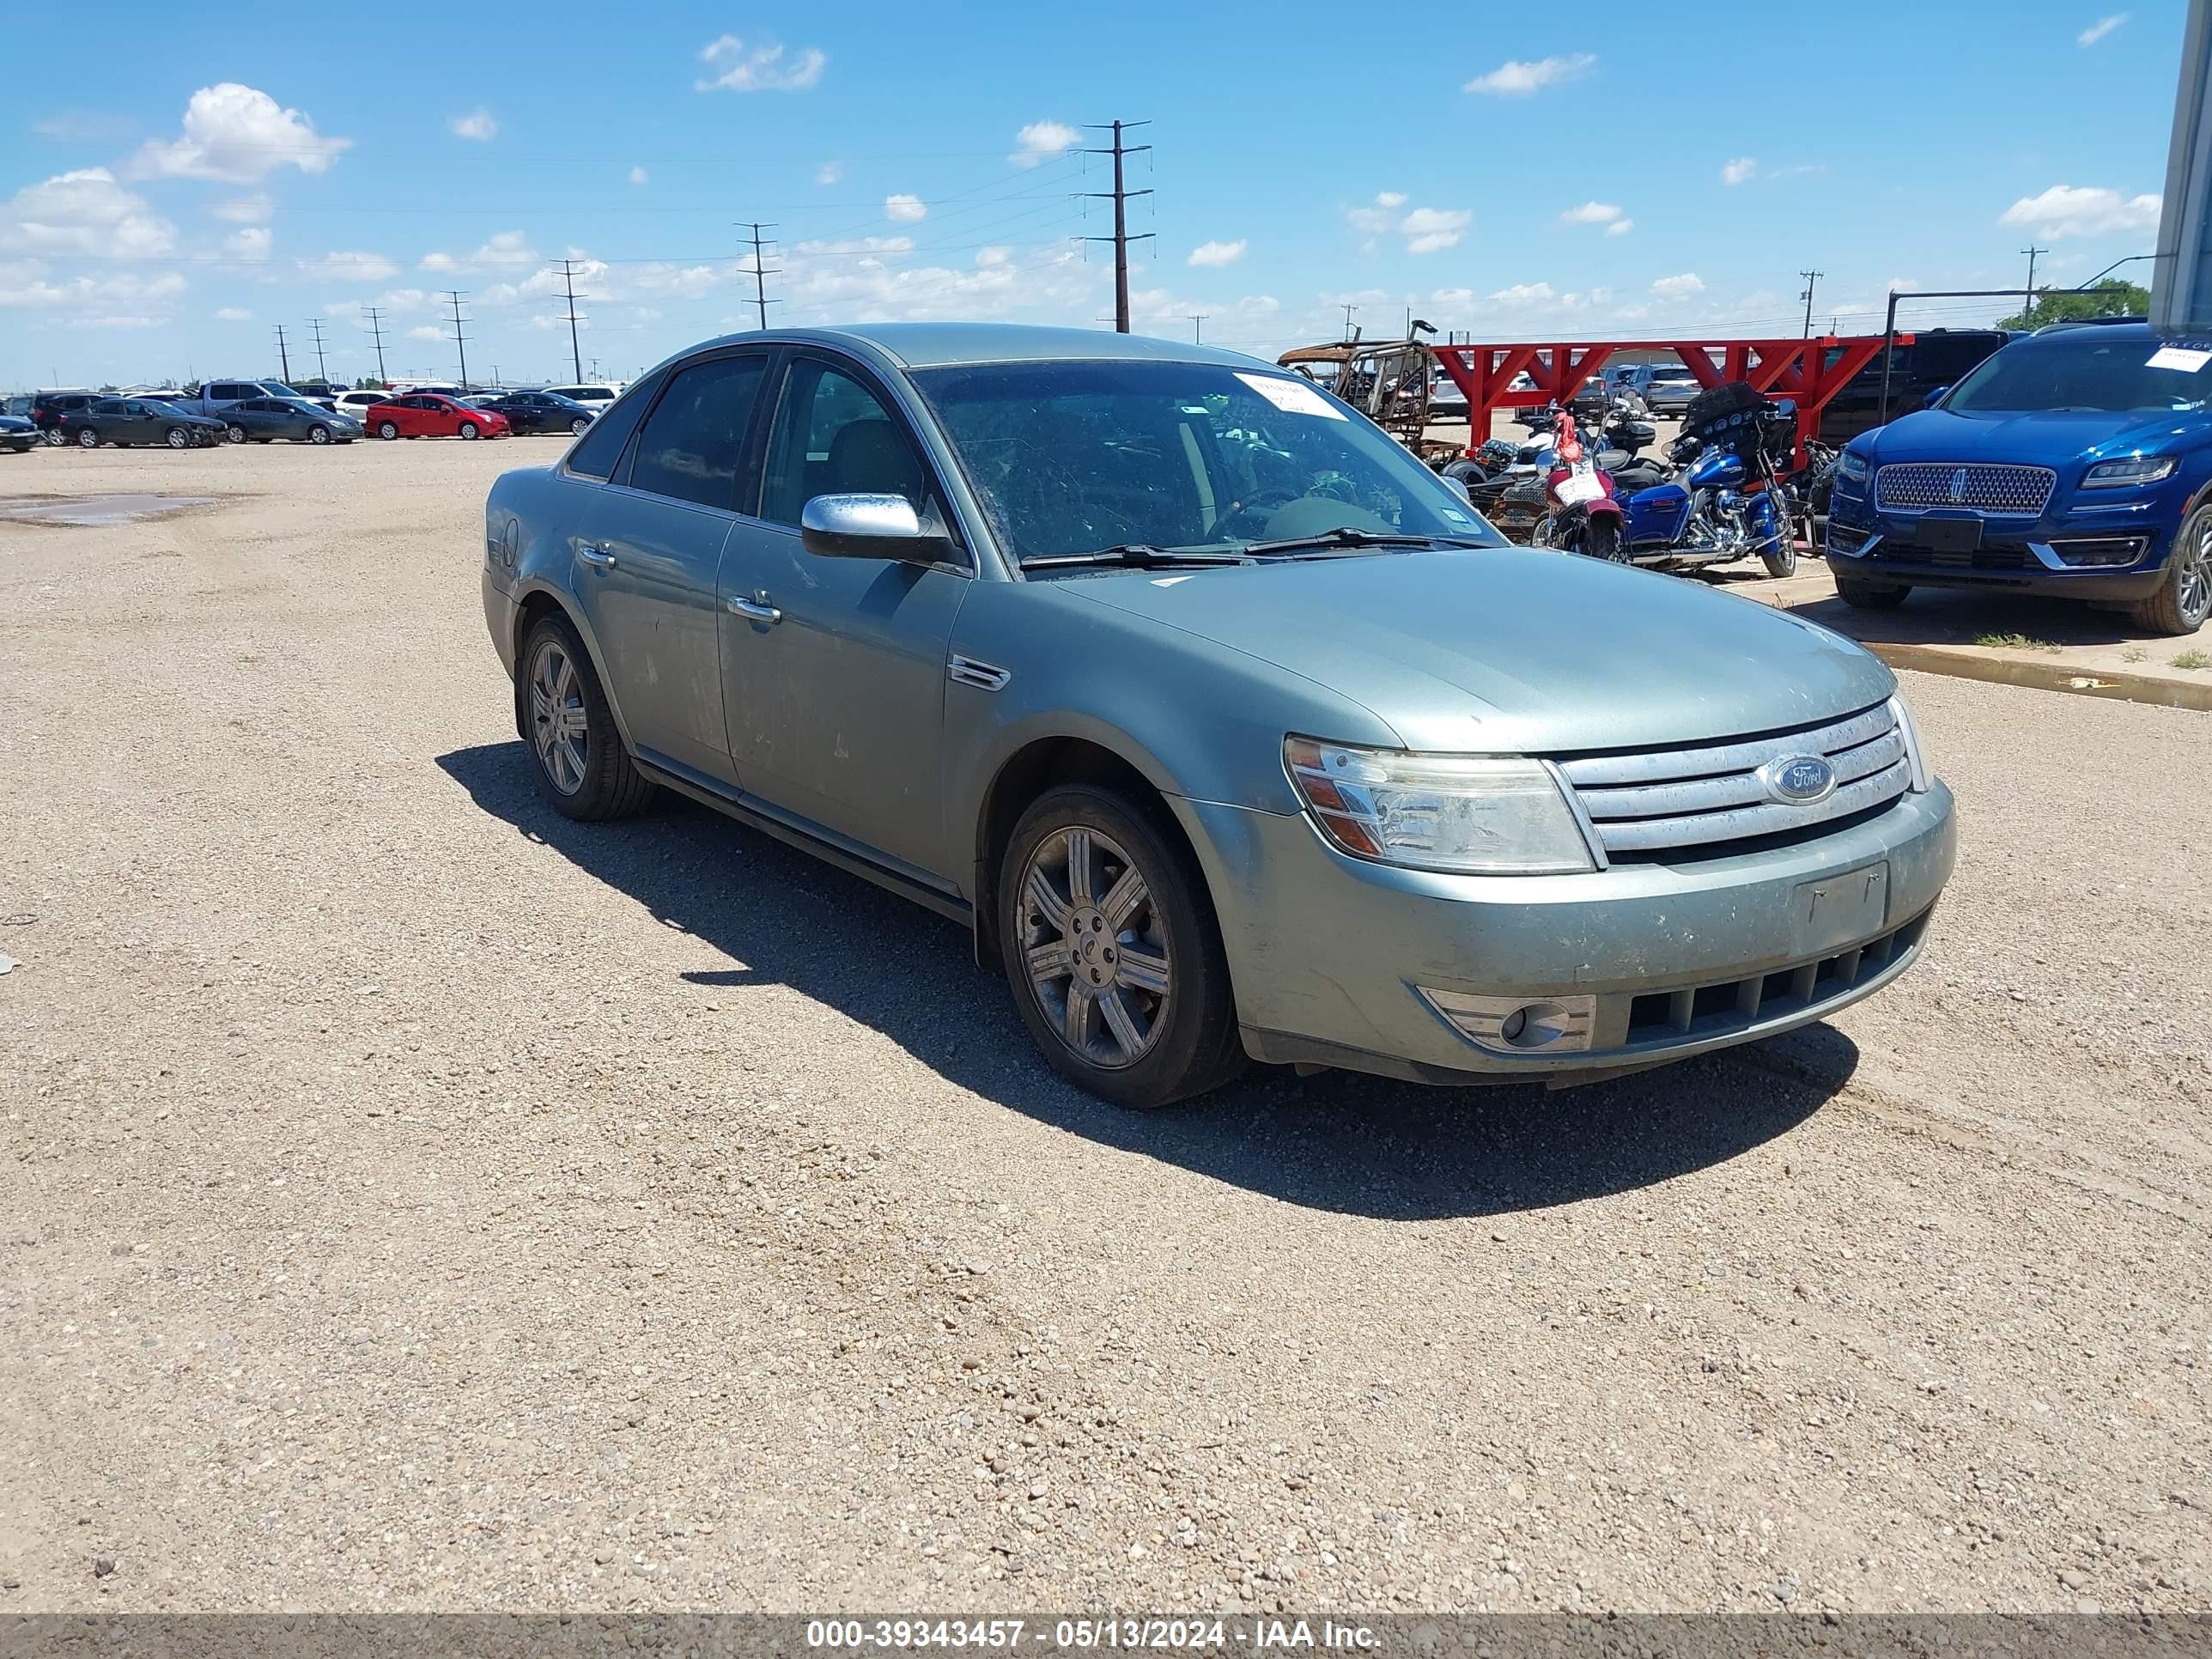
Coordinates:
[1517,651]
[2033,438]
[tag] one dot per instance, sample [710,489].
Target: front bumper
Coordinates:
[2090,544]
[1339,962]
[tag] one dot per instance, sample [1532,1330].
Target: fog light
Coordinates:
[1517,1025]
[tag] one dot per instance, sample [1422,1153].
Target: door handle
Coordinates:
[597,556]
[756,609]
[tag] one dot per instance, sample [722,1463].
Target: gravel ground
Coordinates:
[415,1200]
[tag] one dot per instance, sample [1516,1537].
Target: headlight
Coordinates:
[1851,467]
[2135,470]
[1470,814]
[1905,730]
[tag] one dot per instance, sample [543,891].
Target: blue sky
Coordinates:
[1525,172]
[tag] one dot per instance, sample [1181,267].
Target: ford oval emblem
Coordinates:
[1800,779]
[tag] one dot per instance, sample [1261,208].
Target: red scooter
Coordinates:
[1582,515]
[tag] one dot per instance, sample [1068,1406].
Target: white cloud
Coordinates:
[84,212]
[1453,296]
[760,67]
[251,243]
[234,315]
[254,210]
[426,332]
[992,256]
[349,265]
[507,248]
[1735,172]
[903,210]
[640,176]
[25,284]
[852,245]
[478,124]
[1378,218]
[1041,141]
[2082,210]
[1518,79]
[1670,288]
[1620,226]
[239,134]
[1429,229]
[1591,213]
[1216,254]
[1524,293]
[829,172]
[2097,30]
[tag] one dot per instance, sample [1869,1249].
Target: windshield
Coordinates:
[1072,457]
[2083,368]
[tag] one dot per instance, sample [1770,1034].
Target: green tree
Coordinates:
[2075,305]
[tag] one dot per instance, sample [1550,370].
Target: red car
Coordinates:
[432,415]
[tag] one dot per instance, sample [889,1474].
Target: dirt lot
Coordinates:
[412,1199]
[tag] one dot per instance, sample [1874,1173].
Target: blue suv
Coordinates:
[2077,461]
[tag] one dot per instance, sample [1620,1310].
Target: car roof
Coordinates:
[935,345]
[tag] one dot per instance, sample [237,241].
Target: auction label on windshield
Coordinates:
[1291,396]
[2178,357]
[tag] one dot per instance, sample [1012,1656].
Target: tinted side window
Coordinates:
[594,454]
[696,435]
[832,437]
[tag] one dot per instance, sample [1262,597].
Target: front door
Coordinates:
[651,552]
[833,668]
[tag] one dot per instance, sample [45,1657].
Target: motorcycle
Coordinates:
[1727,502]
[1581,512]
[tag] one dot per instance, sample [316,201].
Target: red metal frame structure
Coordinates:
[1796,370]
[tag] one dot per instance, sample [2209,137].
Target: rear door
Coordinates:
[651,557]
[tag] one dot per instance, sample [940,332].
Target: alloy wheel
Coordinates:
[2195,587]
[559,724]
[176,438]
[1096,946]
[87,439]
[235,434]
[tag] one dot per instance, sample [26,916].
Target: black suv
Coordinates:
[48,409]
[1937,358]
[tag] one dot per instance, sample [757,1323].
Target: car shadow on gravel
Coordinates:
[1336,1141]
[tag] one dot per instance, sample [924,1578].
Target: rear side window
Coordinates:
[692,442]
[594,454]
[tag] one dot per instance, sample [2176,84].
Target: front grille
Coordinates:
[1990,555]
[1910,485]
[1678,801]
[1691,1011]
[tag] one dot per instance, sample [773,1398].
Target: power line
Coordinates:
[453,297]
[760,274]
[568,284]
[376,327]
[1811,278]
[1120,196]
[283,358]
[322,368]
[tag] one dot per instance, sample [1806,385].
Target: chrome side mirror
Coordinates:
[868,528]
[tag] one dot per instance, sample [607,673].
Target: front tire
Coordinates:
[1863,595]
[2183,599]
[1780,555]
[1112,952]
[387,430]
[319,434]
[577,426]
[579,760]
[176,437]
[235,434]
[469,430]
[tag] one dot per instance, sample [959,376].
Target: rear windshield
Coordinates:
[2083,369]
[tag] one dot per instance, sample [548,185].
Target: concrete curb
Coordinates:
[2113,683]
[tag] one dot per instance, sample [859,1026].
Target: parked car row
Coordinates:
[269,411]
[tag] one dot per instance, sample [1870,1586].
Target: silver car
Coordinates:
[1229,730]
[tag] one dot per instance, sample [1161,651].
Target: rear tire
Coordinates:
[87,438]
[576,753]
[1097,965]
[387,430]
[2183,599]
[1601,539]
[1863,595]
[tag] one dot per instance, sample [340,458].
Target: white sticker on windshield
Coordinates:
[1291,396]
[1455,515]
[2181,357]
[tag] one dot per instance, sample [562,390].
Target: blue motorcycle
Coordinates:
[1727,503]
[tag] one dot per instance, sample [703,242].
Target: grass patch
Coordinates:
[2013,642]
[2192,659]
[2135,653]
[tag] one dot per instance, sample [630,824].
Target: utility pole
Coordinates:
[1120,196]
[1812,277]
[1196,317]
[576,351]
[283,358]
[760,302]
[2031,253]
[453,297]
[322,368]
[376,327]
[1349,307]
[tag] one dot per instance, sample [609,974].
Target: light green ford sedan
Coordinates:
[1231,730]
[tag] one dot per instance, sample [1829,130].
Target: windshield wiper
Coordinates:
[1140,553]
[1345,536]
